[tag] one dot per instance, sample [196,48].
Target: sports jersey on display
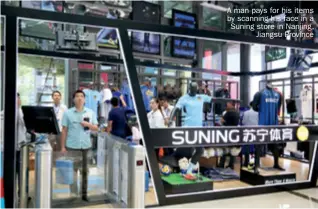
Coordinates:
[306,103]
[147,94]
[92,98]
[193,107]
[127,96]
[267,102]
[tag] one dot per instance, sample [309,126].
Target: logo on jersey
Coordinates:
[302,133]
[271,100]
[199,98]
[149,93]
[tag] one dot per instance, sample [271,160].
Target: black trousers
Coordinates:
[80,164]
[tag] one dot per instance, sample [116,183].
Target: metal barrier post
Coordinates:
[24,177]
[137,177]
[43,175]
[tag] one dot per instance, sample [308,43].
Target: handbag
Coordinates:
[64,171]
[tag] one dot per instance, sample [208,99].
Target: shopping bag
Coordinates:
[64,171]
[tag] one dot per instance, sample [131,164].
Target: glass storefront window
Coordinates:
[212,59]
[233,65]
[185,6]
[212,18]
[256,65]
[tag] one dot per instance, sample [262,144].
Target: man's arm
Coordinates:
[94,125]
[64,132]
[109,126]
[63,138]
[123,100]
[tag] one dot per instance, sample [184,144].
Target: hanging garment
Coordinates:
[267,102]
[105,105]
[92,97]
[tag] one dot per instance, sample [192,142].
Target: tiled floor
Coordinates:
[307,198]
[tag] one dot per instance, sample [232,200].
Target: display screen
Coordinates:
[184,47]
[107,37]
[40,29]
[146,42]
[274,53]
[299,63]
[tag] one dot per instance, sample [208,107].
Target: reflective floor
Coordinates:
[307,198]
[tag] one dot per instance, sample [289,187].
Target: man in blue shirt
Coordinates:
[148,92]
[117,119]
[77,123]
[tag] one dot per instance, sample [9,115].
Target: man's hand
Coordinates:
[85,124]
[63,150]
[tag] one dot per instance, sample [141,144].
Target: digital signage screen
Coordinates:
[183,47]
[40,29]
[106,37]
[146,42]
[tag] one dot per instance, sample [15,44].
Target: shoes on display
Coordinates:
[190,177]
[250,166]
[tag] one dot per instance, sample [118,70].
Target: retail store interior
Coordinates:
[214,139]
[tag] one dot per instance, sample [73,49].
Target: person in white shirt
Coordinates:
[156,116]
[166,107]
[59,110]
[250,117]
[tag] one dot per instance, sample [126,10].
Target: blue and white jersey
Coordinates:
[92,98]
[125,90]
[267,104]
[147,95]
[193,109]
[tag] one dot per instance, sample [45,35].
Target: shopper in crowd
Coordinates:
[231,117]
[250,118]
[166,107]
[116,93]
[59,110]
[156,116]
[204,89]
[77,123]
[117,119]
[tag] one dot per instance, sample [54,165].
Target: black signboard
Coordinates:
[218,136]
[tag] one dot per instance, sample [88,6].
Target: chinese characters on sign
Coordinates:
[267,135]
